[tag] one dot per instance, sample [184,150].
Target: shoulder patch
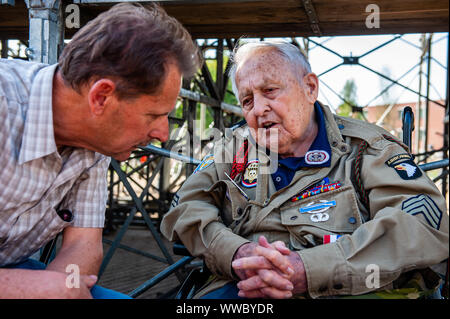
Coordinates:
[423,204]
[207,160]
[404,165]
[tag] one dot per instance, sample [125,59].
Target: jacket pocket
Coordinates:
[332,213]
[232,205]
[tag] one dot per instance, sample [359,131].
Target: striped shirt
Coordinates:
[36,181]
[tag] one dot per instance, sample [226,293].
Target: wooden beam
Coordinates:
[312,16]
[287,18]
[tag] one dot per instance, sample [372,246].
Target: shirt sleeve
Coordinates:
[194,218]
[408,229]
[87,197]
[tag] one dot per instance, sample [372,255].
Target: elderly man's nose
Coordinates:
[260,106]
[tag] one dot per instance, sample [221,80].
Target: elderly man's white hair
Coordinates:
[288,51]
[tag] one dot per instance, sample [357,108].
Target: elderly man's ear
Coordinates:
[311,83]
[99,95]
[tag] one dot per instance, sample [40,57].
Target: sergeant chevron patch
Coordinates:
[423,204]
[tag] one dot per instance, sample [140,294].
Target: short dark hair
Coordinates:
[131,44]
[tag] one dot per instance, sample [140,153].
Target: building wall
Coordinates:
[393,123]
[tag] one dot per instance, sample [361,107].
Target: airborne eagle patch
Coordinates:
[404,165]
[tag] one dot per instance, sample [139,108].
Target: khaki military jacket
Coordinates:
[404,227]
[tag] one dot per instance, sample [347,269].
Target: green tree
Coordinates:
[350,96]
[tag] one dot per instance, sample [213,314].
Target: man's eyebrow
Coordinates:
[158,114]
[264,82]
[244,94]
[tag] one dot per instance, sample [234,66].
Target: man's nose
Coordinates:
[260,105]
[160,130]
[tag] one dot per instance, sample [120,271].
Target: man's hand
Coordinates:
[42,284]
[269,270]
[250,253]
[59,289]
[81,247]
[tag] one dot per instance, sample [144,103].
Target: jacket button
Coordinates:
[338,286]
[294,217]
[239,211]
[352,220]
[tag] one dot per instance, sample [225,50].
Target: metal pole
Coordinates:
[427,110]
[45,35]
[4,54]
[162,275]
[218,116]
[446,120]
[419,100]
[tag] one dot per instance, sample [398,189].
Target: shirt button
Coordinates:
[352,220]
[239,211]
[278,179]
[338,286]
[66,215]
[294,217]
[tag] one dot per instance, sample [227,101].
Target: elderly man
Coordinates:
[303,203]
[112,90]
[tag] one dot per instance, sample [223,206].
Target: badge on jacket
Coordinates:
[207,160]
[250,177]
[404,165]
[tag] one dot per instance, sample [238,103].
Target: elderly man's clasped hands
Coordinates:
[268,270]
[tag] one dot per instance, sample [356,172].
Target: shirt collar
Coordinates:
[38,138]
[319,153]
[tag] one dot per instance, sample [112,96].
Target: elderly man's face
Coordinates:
[278,109]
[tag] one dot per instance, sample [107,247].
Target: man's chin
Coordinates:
[122,156]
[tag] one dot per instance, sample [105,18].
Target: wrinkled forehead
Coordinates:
[263,66]
[259,59]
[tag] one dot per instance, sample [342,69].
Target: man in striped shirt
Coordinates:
[111,91]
